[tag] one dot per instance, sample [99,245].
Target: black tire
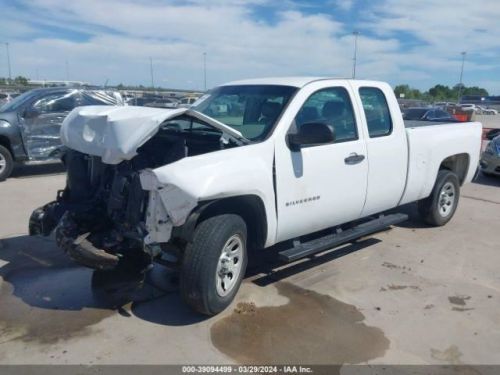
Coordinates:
[6,163]
[435,210]
[199,282]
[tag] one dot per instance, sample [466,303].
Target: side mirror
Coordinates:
[311,133]
[30,113]
[492,134]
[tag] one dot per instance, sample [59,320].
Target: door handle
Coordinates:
[354,159]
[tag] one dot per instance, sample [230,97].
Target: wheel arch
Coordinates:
[5,141]
[250,207]
[458,164]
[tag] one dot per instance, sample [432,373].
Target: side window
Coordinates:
[333,107]
[378,116]
[59,102]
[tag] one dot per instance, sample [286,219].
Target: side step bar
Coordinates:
[304,249]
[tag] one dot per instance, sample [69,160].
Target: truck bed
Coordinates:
[429,144]
[419,123]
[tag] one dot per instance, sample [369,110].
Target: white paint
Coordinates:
[398,169]
[387,155]
[317,171]
[245,170]
[115,133]
[430,145]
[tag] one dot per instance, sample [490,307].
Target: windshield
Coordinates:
[18,101]
[250,109]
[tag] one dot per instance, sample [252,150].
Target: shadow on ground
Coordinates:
[47,297]
[26,171]
[482,179]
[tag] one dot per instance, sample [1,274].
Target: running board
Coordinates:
[304,249]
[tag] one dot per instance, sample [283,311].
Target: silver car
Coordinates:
[490,160]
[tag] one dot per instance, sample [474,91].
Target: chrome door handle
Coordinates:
[354,159]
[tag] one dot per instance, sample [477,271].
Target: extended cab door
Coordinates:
[320,186]
[387,148]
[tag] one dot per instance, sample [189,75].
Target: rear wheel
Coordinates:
[440,206]
[6,163]
[214,263]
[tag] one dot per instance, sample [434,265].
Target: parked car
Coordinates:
[30,124]
[304,155]
[139,101]
[490,159]
[486,111]
[444,105]
[427,114]
[162,103]
[466,107]
[187,101]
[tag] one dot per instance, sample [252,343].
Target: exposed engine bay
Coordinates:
[100,215]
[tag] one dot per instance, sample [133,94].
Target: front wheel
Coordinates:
[440,206]
[214,263]
[6,163]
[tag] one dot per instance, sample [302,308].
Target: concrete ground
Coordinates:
[410,295]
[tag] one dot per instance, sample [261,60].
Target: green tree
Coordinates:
[441,92]
[475,90]
[407,92]
[20,80]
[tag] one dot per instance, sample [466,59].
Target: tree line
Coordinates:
[436,93]
[19,80]
[439,92]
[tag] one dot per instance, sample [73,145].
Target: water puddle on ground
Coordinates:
[45,297]
[44,313]
[312,329]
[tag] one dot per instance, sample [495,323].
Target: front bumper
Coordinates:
[80,248]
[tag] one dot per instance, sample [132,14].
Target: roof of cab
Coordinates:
[282,81]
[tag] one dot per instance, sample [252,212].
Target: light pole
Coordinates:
[355,57]
[205,71]
[8,60]
[151,71]
[460,85]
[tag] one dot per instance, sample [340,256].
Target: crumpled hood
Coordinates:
[115,133]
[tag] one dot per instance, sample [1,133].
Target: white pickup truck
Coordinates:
[252,164]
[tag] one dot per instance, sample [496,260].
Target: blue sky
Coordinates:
[401,41]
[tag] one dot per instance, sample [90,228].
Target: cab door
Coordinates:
[320,186]
[41,122]
[387,148]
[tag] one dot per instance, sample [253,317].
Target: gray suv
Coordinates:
[30,124]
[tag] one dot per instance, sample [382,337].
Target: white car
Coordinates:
[468,107]
[487,111]
[298,156]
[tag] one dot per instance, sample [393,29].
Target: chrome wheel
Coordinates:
[446,199]
[3,163]
[229,265]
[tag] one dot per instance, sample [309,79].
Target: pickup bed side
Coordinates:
[454,146]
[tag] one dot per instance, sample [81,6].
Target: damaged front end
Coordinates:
[99,217]
[113,206]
